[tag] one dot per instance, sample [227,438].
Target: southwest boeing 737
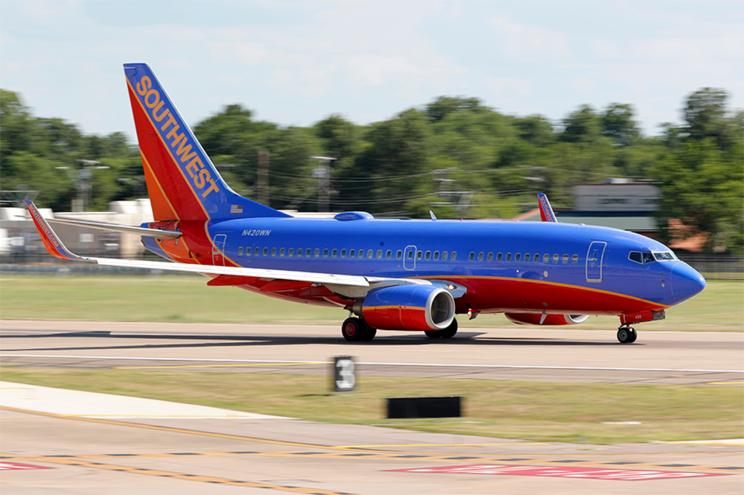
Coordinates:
[388,274]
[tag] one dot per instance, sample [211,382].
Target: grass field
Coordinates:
[507,409]
[187,299]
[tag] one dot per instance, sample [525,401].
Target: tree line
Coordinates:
[454,155]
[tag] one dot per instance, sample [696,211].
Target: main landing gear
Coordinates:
[626,334]
[357,330]
[446,333]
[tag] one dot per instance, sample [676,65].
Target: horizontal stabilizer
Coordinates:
[142,231]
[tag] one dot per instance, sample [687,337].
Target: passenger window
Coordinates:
[499,257]
[308,252]
[389,254]
[240,251]
[575,258]
[480,256]
[419,255]
[334,253]
[508,256]
[546,258]
[370,254]
[527,257]
[360,253]
[291,252]
[445,254]
[453,256]
[517,256]
[410,254]
[379,254]
[273,251]
[555,258]
[399,254]
[281,252]
[536,257]
[427,255]
[316,252]
[436,255]
[565,259]
[265,251]
[343,253]
[352,253]
[325,252]
[248,251]
[490,256]
[471,256]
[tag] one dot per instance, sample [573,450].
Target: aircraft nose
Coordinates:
[686,281]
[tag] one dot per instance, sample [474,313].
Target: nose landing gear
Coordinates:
[626,334]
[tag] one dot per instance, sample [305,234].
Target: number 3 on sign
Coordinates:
[344,374]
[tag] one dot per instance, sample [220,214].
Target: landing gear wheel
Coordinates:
[357,330]
[351,328]
[450,331]
[446,333]
[368,333]
[626,335]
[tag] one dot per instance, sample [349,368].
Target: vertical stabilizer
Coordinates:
[182,182]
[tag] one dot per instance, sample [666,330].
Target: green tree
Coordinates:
[705,116]
[581,126]
[619,124]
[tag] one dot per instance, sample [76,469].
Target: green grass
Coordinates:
[187,299]
[507,409]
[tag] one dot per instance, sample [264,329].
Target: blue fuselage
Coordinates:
[556,256]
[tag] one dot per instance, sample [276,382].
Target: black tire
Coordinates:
[450,331]
[352,329]
[633,334]
[367,332]
[624,335]
[446,333]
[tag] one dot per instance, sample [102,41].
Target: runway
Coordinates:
[514,353]
[45,453]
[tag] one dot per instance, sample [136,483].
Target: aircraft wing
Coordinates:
[354,284]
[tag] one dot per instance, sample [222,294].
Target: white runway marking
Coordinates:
[364,363]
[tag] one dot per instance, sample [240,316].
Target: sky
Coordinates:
[295,63]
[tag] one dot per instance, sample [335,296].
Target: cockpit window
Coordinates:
[664,256]
[641,257]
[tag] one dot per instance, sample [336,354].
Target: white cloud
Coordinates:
[520,40]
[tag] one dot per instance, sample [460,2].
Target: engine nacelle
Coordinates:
[554,319]
[408,307]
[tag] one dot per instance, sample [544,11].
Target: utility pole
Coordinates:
[262,177]
[323,174]
[82,178]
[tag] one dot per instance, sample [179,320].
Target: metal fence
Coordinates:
[713,267]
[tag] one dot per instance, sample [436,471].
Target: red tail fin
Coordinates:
[182,182]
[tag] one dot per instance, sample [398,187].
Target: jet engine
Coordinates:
[407,307]
[551,319]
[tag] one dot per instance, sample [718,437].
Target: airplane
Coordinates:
[389,274]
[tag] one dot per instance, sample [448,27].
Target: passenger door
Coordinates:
[409,258]
[218,248]
[594,258]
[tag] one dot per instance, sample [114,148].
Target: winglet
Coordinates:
[48,237]
[546,211]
